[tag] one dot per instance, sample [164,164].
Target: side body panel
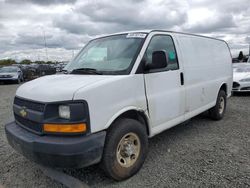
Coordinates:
[207,65]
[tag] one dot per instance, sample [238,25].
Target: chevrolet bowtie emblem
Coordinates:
[23,112]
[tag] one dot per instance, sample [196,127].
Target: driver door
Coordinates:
[164,88]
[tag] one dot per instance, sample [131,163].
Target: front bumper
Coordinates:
[57,151]
[8,79]
[241,86]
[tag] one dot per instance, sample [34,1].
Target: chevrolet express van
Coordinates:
[120,90]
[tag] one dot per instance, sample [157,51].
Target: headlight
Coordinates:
[245,80]
[64,111]
[14,76]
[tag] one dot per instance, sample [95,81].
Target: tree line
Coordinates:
[25,61]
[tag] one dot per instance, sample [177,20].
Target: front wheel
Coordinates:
[218,111]
[125,149]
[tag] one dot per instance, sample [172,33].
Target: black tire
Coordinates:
[217,113]
[110,162]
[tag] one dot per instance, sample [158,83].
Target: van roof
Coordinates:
[158,30]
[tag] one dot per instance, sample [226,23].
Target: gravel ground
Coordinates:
[198,153]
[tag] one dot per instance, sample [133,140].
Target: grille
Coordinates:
[245,88]
[235,84]
[31,125]
[29,104]
[5,76]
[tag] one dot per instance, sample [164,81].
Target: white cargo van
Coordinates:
[120,90]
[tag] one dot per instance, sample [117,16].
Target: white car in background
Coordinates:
[241,77]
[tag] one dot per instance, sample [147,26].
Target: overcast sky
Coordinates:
[69,24]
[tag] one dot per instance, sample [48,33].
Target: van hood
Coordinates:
[57,87]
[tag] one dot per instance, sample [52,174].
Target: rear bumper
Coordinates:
[57,151]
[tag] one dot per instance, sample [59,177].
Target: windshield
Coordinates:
[245,69]
[109,55]
[8,69]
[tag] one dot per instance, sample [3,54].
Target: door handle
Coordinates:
[182,78]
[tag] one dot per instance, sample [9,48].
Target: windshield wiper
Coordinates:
[85,71]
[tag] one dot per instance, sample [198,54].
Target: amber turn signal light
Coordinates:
[65,128]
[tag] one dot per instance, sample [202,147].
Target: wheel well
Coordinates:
[224,88]
[136,115]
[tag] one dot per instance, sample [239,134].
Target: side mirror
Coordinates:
[159,60]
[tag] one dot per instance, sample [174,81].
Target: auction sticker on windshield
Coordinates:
[136,35]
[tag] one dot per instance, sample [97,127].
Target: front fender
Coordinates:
[112,97]
[122,111]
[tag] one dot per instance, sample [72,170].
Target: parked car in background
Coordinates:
[59,67]
[241,77]
[37,70]
[44,69]
[11,73]
[235,60]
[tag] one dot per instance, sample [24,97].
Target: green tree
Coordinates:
[26,61]
[39,62]
[7,62]
[49,62]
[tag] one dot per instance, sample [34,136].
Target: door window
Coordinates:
[165,43]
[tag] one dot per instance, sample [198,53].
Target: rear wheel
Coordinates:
[125,149]
[218,111]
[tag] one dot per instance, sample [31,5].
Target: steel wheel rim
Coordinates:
[221,105]
[128,150]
